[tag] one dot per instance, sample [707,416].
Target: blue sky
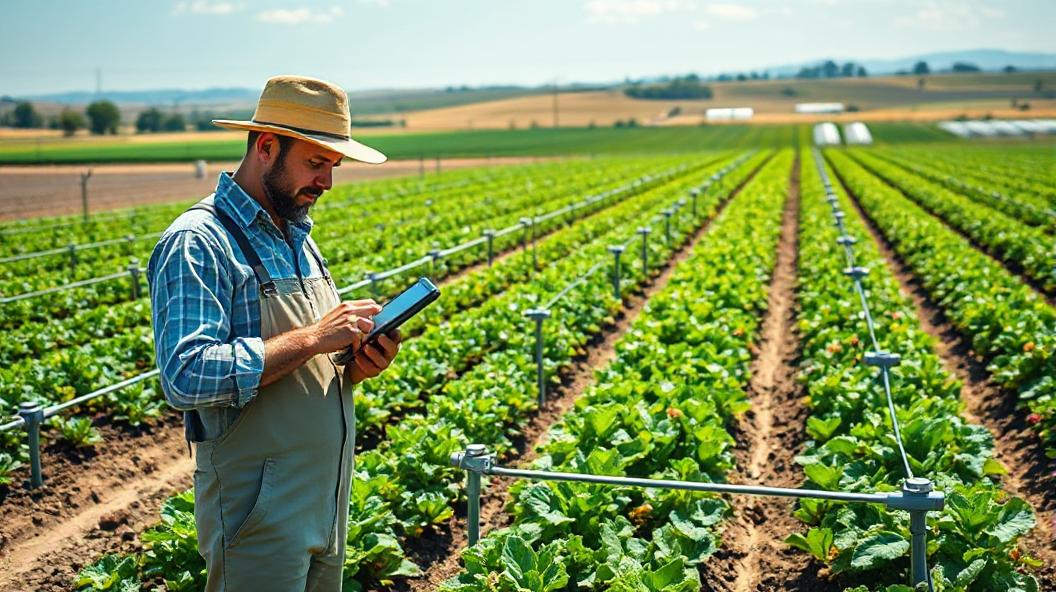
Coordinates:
[56,45]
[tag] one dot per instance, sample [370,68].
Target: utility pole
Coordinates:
[554,103]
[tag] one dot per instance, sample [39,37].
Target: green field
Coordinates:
[531,142]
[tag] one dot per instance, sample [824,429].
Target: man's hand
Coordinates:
[346,325]
[374,358]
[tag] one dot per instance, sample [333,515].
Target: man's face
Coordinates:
[297,176]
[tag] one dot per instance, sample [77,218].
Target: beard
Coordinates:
[282,193]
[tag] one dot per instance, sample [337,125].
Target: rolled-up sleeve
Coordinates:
[202,364]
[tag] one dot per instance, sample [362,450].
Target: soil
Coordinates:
[1031,475]
[46,190]
[439,556]
[92,502]
[754,555]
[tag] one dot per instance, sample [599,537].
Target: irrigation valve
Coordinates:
[846,240]
[883,359]
[539,315]
[856,272]
[616,251]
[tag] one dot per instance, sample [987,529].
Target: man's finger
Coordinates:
[366,366]
[388,346]
[376,356]
[364,324]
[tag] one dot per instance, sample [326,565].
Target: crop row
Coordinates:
[660,409]
[1008,324]
[1023,207]
[356,237]
[1006,238]
[405,485]
[974,540]
[68,372]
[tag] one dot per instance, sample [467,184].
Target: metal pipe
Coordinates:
[33,415]
[644,231]
[133,271]
[616,250]
[918,529]
[490,235]
[539,315]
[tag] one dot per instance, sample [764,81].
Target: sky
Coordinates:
[58,45]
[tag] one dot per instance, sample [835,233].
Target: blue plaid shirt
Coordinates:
[206,300]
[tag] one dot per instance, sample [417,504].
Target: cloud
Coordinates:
[732,12]
[205,7]
[946,15]
[632,11]
[295,16]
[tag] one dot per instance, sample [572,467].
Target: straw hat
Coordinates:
[307,109]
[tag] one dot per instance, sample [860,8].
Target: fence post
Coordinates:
[644,231]
[133,271]
[72,249]
[490,235]
[84,193]
[616,250]
[539,315]
[33,415]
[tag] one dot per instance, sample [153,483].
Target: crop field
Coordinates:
[713,315]
[542,141]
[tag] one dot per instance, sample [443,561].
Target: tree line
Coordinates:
[99,118]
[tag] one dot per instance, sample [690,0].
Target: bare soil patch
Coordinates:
[92,502]
[46,190]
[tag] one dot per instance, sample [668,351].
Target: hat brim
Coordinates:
[350,148]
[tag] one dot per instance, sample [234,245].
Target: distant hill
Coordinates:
[987,59]
[365,102]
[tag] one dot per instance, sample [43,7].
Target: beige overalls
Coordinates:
[271,492]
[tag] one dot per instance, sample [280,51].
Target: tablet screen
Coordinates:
[400,304]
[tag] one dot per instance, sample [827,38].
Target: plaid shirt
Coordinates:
[206,300]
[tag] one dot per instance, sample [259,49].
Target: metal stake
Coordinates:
[84,193]
[434,256]
[694,195]
[918,488]
[33,415]
[372,277]
[133,271]
[535,254]
[667,226]
[490,235]
[72,249]
[644,231]
[539,315]
[616,250]
[474,453]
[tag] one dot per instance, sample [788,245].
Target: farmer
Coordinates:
[245,316]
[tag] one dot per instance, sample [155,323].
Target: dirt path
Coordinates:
[1031,475]
[754,556]
[90,504]
[441,557]
[30,191]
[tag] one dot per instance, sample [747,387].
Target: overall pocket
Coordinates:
[260,506]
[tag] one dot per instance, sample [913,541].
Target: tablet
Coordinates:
[396,312]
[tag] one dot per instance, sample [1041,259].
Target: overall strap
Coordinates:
[263,277]
[314,250]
